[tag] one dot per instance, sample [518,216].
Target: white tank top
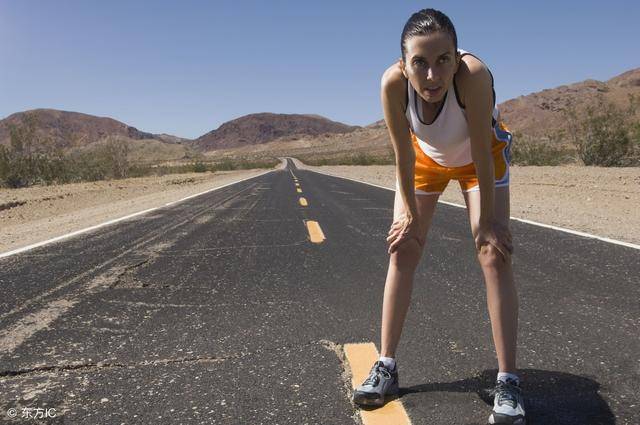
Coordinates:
[446,140]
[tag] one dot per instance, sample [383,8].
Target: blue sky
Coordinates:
[186,67]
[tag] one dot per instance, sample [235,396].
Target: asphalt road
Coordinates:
[220,309]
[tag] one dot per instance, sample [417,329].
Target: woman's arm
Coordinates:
[478,99]
[393,92]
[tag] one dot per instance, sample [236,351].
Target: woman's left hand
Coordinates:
[402,230]
[496,234]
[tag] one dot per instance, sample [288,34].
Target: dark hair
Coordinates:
[427,21]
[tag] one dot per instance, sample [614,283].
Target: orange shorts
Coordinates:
[432,178]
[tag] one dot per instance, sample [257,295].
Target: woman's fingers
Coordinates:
[393,233]
[501,249]
[404,239]
[504,238]
[505,249]
[395,225]
[392,237]
[399,241]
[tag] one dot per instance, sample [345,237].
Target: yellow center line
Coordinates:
[303,202]
[298,190]
[361,356]
[315,232]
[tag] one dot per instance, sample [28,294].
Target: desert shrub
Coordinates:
[200,167]
[545,151]
[353,159]
[226,164]
[29,158]
[32,159]
[607,135]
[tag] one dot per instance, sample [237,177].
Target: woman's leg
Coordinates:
[399,282]
[502,297]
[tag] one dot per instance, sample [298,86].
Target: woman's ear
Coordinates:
[403,68]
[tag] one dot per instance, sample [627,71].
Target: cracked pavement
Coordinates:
[220,310]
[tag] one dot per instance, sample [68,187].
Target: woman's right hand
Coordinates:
[402,230]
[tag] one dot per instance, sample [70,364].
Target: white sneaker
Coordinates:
[508,404]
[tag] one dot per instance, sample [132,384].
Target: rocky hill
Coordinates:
[264,127]
[542,113]
[535,116]
[68,130]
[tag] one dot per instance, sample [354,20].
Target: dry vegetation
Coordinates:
[31,159]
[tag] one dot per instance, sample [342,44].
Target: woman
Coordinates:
[439,107]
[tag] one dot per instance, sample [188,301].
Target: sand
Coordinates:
[33,214]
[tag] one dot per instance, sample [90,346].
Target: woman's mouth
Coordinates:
[433,91]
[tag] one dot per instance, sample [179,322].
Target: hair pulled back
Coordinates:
[424,22]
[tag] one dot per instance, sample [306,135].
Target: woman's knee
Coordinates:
[490,257]
[408,254]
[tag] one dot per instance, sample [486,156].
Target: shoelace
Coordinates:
[507,392]
[374,376]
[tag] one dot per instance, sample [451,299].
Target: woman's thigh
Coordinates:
[426,206]
[501,207]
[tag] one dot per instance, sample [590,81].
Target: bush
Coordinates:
[200,167]
[525,151]
[607,136]
[29,159]
[32,159]
[355,159]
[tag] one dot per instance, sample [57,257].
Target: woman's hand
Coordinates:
[496,234]
[403,230]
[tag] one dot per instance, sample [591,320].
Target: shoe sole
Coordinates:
[373,399]
[502,419]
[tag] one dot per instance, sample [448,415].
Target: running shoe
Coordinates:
[380,383]
[508,404]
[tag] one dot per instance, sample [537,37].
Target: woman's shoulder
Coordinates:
[393,78]
[470,63]
[394,83]
[472,73]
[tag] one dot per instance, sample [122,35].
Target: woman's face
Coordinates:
[431,63]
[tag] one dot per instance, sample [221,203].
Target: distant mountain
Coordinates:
[264,127]
[535,115]
[538,114]
[69,130]
[168,138]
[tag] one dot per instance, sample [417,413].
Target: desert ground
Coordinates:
[33,214]
[600,201]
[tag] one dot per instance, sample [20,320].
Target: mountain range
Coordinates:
[536,115]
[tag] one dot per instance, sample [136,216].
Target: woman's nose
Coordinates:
[431,76]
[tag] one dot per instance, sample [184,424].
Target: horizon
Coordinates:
[147,68]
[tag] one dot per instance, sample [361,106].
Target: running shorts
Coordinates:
[432,178]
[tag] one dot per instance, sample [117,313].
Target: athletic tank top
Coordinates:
[445,140]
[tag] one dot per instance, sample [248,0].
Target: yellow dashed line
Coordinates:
[361,357]
[303,202]
[298,190]
[315,232]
